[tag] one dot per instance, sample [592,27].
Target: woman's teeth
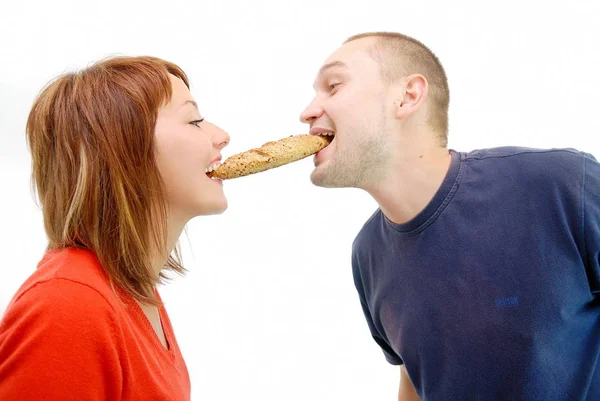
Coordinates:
[213,167]
[327,134]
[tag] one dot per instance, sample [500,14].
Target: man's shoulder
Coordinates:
[555,164]
[521,153]
[370,229]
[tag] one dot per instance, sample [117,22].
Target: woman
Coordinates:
[119,153]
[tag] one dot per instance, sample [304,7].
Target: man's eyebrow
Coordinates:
[330,65]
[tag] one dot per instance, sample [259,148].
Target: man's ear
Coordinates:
[413,94]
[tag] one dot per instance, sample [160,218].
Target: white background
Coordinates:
[268,310]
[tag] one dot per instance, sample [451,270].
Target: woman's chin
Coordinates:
[217,206]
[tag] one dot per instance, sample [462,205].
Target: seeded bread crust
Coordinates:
[271,155]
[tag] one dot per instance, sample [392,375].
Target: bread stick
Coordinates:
[271,155]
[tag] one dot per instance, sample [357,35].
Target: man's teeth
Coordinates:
[327,134]
[213,167]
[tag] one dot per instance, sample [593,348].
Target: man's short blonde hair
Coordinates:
[400,55]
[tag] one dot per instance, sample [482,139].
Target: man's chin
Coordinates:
[322,178]
[317,181]
[319,176]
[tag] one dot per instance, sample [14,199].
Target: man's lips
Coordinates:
[321,131]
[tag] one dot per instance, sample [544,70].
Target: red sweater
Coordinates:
[67,336]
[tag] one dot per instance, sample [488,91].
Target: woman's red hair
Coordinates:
[91,136]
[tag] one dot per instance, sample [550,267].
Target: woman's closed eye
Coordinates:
[334,86]
[197,122]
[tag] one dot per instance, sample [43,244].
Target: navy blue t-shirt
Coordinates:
[492,292]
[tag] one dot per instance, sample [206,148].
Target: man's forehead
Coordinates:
[347,56]
[351,50]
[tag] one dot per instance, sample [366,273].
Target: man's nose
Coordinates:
[312,112]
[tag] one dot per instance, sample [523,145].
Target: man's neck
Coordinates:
[411,184]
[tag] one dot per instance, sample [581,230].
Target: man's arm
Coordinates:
[591,221]
[407,391]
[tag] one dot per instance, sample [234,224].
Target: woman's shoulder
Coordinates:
[61,326]
[68,296]
[66,274]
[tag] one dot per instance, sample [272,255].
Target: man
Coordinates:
[479,273]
